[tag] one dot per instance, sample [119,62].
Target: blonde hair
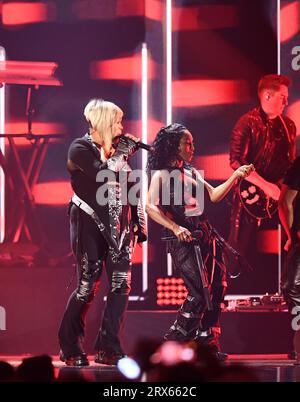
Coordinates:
[101,115]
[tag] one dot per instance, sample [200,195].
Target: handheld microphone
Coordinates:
[147,147]
[197,235]
[138,144]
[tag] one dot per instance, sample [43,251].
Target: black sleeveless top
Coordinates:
[179,197]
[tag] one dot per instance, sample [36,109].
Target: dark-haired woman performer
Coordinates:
[169,165]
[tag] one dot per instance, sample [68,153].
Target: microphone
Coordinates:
[138,144]
[147,147]
[197,235]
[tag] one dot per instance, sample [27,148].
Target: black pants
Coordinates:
[243,227]
[193,314]
[243,237]
[290,281]
[92,254]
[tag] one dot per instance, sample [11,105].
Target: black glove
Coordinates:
[125,148]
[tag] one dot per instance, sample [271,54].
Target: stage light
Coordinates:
[20,13]
[187,354]
[134,126]
[278,37]
[289,21]
[138,258]
[154,10]
[215,167]
[29,73]
[208,17]
[267,241]
[169,61]
[196,93]
[2,149]
[124,68]
[168,292]
[144,106]
[129,8]
[129,368]
[40,127]
[169,88]
[52,193]
[279,257]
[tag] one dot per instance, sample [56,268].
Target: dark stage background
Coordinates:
[220,50]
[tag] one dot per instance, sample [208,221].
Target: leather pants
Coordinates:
[92,254]
[290,281]
[242,227]
[193,314]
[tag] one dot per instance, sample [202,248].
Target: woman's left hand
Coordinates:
[244,171]
[132,137]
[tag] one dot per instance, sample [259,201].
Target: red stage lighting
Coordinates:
[29,72]
[17,127]
[189,93]
[135,127]
[289,21]
[20,13]
[293,112]
[267,241]
[170,291]
[215,167]
[129,8]
[125,68]
[138,254]
[53,193]
[152,9]
[204,17]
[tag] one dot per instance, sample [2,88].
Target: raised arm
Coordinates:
[216,194]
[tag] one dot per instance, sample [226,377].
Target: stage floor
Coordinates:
[266,368]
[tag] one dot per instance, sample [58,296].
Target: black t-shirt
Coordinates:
[292,180]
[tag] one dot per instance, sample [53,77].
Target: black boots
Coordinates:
[210,338]
[110,358]
[79,360]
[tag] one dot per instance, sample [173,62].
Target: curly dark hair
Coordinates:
[165,147]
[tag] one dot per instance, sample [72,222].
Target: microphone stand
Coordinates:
[30,110]
[198,235]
